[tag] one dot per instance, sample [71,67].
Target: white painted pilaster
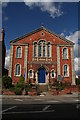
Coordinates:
[11,61]
[72,66]
[58,61]
[26,62]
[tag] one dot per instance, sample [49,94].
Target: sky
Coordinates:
[19,18]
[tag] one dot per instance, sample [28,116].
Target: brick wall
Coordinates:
[36,37]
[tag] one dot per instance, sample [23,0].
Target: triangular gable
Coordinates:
[37,30]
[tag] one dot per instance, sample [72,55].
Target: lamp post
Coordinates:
[24,83]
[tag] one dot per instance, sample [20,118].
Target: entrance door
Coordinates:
[42,76]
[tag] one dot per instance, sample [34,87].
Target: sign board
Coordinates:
[60,77]
[24,75]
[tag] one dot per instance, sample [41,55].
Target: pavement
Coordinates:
[43,94]
[74,94]
[40,99]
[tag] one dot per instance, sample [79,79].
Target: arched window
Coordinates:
[53,74]
[65,53]
[49,50]
[35,49]
[18,52]
[18,69]
[44,49]
[40,49]
[66,71]
[30,73]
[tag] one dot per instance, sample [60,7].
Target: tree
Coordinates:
[6,82]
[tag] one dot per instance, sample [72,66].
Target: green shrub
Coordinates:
[12,88]
[60,87]
[56,83]
[77,81]
[67,84]
[21,80]
[18,91]
[57,87]
[19,86]
[63,87]
[6,82]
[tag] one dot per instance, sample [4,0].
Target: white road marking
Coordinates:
[37,99]
[28,112]
[18,100]
[78,106]
[52,101]
[41,95]
[76,100]
[9,109]
[45,108]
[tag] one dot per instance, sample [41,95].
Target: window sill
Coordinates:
[17,75]
[52,77]
[19,58]
[30,77]
[66,76]
[41,56]
[49,57]
[65,58]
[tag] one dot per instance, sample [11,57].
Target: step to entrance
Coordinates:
[42,88]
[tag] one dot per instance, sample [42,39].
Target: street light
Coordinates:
[24,84]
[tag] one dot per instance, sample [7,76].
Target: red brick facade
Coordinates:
[29,62]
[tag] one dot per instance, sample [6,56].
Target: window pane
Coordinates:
[48,51]
[65,53]
[18,54]
[53,73]
[39,50]
[30,73]
[43,50]
[18,69]
[65,70]
[35,49]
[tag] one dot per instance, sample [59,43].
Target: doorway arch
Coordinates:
[41,75]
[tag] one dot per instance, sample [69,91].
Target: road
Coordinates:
[50,107]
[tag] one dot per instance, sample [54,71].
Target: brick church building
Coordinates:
[42,56]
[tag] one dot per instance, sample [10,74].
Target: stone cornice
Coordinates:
[22,44]
[63,45]
[40,62]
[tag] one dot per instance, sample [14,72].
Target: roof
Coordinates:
[39,29]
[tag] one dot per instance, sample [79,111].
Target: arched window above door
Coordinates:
[42,49]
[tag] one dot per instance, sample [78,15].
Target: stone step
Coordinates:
[42,88]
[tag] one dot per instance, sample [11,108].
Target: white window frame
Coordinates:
[67,53]
[34,49]
[15,70]
[16,51]
[49,44]
[42,44]
[54,73]
[32,73]
[42,33]
[68,70]
[39,50]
